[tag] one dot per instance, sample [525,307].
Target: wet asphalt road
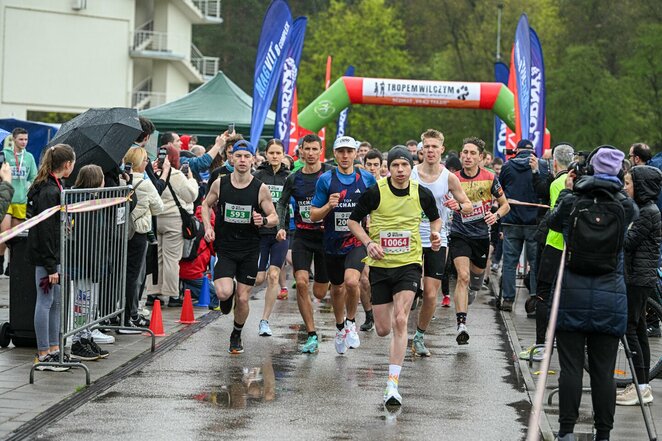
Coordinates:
[198,391]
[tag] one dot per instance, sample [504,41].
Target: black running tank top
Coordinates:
[235,229]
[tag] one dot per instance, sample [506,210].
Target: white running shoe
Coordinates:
[462,334]
[341,342]
[391,395]
[102,339]
[352,337]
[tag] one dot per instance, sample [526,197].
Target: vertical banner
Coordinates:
[501,74]
[288,79]
[294,126]
[271,52]
[537,112]
[327,83]
[522,59]
[342,118]
[511,137]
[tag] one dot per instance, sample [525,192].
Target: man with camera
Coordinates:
[593,213]
[519,225]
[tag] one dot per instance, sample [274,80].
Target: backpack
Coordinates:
[596,233]
[191,246]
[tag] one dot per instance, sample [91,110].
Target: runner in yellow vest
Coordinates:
[394,252]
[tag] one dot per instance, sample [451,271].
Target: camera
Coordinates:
[2,157]
[510,151]
[163,153]
[127,168]
[579,166]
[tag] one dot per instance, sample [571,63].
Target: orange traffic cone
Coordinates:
[156,324]
[187,316]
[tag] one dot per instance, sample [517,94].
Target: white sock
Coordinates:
[394,373]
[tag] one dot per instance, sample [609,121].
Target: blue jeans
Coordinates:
[515,237]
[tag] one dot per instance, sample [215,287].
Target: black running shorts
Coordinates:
[336,264]
[434,263]
[386,282]
[476,250]
[241,265]
[307,246]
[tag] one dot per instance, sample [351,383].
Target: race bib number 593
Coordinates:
[238,214]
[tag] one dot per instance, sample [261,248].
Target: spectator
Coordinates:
[198,150]
[383,171]
[497,164]
[6,189]
[185,142]
[183,189]
[642,245]
[44,252]
[373,162]
[227,167]
[412,146]
[192,273]
[640,154]
[149,204]
[197,165]
[364,148]
[159,181]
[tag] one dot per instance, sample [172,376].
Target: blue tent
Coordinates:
[39,134]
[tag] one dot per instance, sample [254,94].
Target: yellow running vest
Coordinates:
[394,225]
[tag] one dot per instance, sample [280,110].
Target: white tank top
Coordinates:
[439,189]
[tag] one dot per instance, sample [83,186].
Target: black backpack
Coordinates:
[596,233]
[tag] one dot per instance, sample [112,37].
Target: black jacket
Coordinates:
[642,243]
[44,238]
[275,182]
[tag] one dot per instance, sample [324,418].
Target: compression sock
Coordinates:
[369,316]
[461,318]
[419,332]
[340,326]
[237,328]
[476,281]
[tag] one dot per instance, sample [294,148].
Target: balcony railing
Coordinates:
[210,8]
[143,97]
[207,66]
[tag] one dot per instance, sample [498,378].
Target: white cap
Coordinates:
[345,141]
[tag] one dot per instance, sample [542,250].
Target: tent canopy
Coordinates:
[208,110]
[39,134]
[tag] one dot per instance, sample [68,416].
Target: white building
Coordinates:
[70,55]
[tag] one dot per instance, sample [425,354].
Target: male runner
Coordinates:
[307,244]
[432,175]
[395,206]
[470,233]
[240,198]
[336,194]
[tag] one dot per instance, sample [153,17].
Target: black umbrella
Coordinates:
[100,136]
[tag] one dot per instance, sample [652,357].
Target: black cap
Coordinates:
[524,144]
[399,152]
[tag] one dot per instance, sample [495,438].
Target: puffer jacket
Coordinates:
[642,242]
[517,181]
[149,204]
[275,182]
[592,304]
[186,191]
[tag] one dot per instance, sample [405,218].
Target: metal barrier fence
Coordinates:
[93,260]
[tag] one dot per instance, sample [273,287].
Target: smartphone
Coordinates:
[163,153]
[230,128]
[2,157]
[184,169]
[127,168]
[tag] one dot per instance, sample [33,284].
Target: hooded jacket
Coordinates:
[44,238]
[275,182]
[592,304]
[517,181]
[642,242]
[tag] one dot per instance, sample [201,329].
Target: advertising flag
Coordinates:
[342,118]
[294,126]
[271,52]
[501,74]
[288,80]
[522,61]
[537,82]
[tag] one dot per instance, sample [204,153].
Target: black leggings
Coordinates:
[636,331]
[549,261]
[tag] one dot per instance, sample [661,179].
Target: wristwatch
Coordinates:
[498,216]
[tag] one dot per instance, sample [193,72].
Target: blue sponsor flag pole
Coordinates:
[288,80]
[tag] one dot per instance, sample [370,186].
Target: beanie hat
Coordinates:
[453,162]
[524,144]
[607,160]
[242,144]
[399,152]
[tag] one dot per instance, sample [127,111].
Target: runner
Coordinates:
[470,234]
[307,244]
[395,206]
[272,251]
[239,196]
[432,175]
[336,194]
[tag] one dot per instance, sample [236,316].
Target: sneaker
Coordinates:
[101,338]
[311,346]
[214,307]
[263,329]
[96,348]
[567,437]
[235,344]
[538,353]
[628,396]
[391,395]
[49,358]
[507,305]
[141,321]
[282,295]
[352,338]
[653,331]
[446,301]
[175,302]
[494,267]
[150,300]
[341,343]
[7,269]
[472,296]
[530,304]
[368,325]
[80,350]
[130,328]
[462,334]
[418,347]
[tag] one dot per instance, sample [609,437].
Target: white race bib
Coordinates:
[238,214]
[395,242]
[276,191]
[340,220]
[304,211]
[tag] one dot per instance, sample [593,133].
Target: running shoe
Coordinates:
[507,305]
[472,296]
[462,334]
[141,321]
[494,267]
[282,295]
[538,353]
[653,331]
[263,329]
[235,344]
[341,342]
[101,338]
[311,346]
[629,397]
[391,395]
[352,338]
[446,301]
[368,325]
[50,358]
[418,347]
[130,328]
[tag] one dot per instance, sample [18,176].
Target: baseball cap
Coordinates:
[345,141]
[242,144]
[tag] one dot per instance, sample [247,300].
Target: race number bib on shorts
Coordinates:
[477,213]
[238,214]
[276,191]
[304,211]
[340,220]
[395,242]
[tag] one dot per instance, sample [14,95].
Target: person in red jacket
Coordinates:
[192,273]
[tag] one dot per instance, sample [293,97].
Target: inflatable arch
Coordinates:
[418,93]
